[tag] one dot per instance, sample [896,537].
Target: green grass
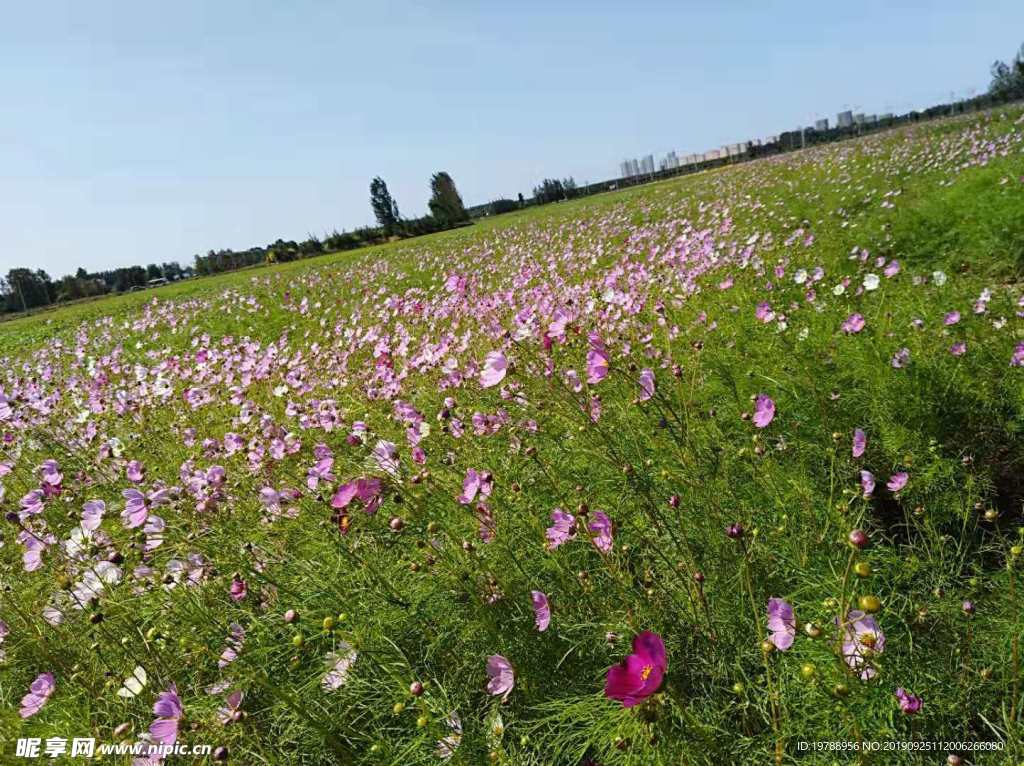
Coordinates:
[269,353]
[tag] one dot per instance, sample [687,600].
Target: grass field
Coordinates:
[446,500]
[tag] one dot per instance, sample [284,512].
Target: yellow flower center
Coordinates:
[646,672]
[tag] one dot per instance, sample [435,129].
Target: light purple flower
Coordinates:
[867,483]
[38,693]
[951,318]
[862,638]
[860,442]
[901,358]
[958,349]
[897,481]
[502,676]
[646,384]
[764,411]
[164,730]
[597,360]
[601,526]
[494,369]
[541,610]
[562,529]
[853,324]
[781,623]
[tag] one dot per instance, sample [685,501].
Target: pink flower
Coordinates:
[541,610]
[92,514]
[239,589]
[38,693]
[897,481]
[951,318]
[169,712]
[764,411]
[502,676]
[860,442]
[781,623]
[493,372]
[597,360]
[562,529]
[367,491]
[853,324]
[475,482]
[909,703]
[958,349]
[601,526]
[640,674]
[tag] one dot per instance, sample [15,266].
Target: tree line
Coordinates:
[23,289]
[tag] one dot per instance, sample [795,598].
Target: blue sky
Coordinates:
[137,132]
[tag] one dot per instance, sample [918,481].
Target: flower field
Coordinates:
[687,474]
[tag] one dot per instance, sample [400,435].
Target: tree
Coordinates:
[445,203]
[385,209]
[1008,79]
[28,289]
[550,190]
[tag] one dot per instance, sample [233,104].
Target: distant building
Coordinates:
[671,161]
[625,169]
[844,119]
[647,165]
[858,119]
[634,168]
[871,119]
[821,125]
[887,117]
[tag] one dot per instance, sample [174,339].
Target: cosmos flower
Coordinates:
[951,318]
[92,514]
[909,703]
[562,529]
[494,369]
[232,709]
[897,481]
[502,676]
[597,360]
[239,589]
[764,411]
[781,623]
[339,664]
[853,324]
[646,384]
[38,693]
[958,349]
[601,526]
[901,358]
[541,610]
[164,730]
[640,674]
[861,639]
[867,483]
[134,471]
[860,442]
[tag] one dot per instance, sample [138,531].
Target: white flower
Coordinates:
[800,277]
[804,333]
[871,282]
[939,278]
[839,289]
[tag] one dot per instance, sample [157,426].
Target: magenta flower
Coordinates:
[475,482]
[860,442]
[367,491]
[597,360]
[239,589]
[38,693]
[541,610]
[867,483]
[853,324]
[781,623]
[640,674]
[169,712]
[562,529]
[764,411]
[897,481]
[646,384]
[502,676]
[862,638]
[601,526]
[493,372]
[909,703]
